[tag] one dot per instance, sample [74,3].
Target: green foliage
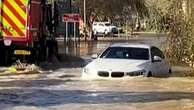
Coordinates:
[112,8]
[175,17]
[181,43]
[159,17]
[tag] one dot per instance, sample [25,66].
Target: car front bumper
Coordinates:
[111,75]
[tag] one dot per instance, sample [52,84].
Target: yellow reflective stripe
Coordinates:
[13,17]
[1,32]
[6,24]
[19,24]
[0,9]
[18,8]
[4,34]
[25,2]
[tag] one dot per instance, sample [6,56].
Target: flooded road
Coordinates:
[69,92]
[84,49]
[63,89]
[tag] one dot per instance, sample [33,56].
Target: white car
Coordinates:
[127,60]
[103,28]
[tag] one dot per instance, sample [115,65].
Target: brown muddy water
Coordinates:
[72,93]
[83,48]
[63,89]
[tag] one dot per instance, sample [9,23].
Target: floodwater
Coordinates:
[63,89]
[68,92]
[83,49]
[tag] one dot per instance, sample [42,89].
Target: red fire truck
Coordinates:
[25,30]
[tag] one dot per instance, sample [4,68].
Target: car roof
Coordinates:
[101,22]
[137,45]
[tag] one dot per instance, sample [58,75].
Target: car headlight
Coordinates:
[136,73]
[86,70]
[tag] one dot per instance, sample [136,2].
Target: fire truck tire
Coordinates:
[2,57]
[39,53]
[43,53]
[5,57]
[52,48]
[33,56]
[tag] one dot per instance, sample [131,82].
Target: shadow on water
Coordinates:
[44,98]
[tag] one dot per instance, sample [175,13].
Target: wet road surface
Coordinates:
[62,88]
[91,47]
[68,91]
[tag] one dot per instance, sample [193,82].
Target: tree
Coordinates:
[178,16]
[111,9]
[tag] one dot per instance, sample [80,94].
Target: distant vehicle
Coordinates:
[127,60]
[103,28]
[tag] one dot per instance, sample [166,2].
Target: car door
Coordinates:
[161,66]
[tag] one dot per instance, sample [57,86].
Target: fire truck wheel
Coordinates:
[7,57]
[33,56]
[2,57]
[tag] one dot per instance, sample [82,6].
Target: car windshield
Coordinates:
[126,53]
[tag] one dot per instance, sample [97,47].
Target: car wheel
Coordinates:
[170,71]
[106,32]
[149,74]
[95,32]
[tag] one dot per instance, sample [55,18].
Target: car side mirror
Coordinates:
[157,59]
[94,56]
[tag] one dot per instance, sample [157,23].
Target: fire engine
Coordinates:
[26,30]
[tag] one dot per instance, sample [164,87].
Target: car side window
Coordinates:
[161,53]
[153,52]
[156,52]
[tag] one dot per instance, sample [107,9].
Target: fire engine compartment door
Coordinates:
[13,18]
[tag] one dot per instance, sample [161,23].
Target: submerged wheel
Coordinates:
[2,57]
[95,32]
[6,56]
[170,71]
[149,74]
[106,33]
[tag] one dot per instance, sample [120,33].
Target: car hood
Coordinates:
[125,65]
[112,26]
